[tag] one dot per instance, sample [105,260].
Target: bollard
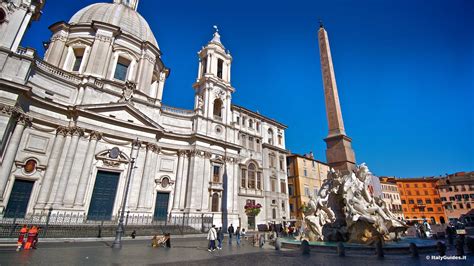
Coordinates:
[277,244]
[379,248]
[441,248]
[413,250]
[305,247]
[341,250]
[460,247]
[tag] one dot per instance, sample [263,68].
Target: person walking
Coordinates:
[230,230]
[22,237]
[220,237]
[237,236]
[261,241]
[32,233]
[212,236]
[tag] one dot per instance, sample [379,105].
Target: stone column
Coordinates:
[179,180]
[10,154]
[147,178]
[75,133]
[184,180]
[53,161]
[87,168]
[236,188]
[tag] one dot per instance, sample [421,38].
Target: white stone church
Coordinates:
[72,122]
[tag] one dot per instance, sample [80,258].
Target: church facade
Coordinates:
[72,122]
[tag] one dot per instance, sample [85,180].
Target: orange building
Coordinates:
[420,199]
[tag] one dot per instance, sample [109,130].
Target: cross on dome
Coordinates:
[133,4]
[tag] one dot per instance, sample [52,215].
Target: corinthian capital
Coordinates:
[95,135]
[24,119]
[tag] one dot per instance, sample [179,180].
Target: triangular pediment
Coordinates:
[124,112]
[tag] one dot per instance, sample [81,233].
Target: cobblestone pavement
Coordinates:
[192,251]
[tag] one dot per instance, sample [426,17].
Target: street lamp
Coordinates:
[119,232]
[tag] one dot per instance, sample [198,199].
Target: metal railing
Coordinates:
[63,224]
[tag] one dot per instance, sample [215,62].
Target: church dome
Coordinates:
[129,20]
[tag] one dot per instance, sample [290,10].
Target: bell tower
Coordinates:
[15,17]
[212,88]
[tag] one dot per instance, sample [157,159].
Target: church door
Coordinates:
[19,198]
[161,206]
[103,196]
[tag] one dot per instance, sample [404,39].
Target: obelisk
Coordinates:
[339,153]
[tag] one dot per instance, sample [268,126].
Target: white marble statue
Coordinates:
[366,218]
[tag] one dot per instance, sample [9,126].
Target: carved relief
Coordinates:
[128,91]
[103,38]
[153,147]
[113,157]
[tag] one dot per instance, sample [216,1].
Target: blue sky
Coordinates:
[404,69]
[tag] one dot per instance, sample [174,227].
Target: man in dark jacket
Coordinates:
[230,230]
[220,237]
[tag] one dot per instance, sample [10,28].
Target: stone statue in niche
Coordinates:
[344,210]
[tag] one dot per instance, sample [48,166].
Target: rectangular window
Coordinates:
[306,191]
[257,144]
[251,147]
[283,187]
[283,205]
[443,198]
[428,201]
[220,64]
[121,69]
[291,208]
[290,190]
[305,172]
[280,140]
[243,140]
[437,201]
[404,202]
[419,201]
[77,63]
[237,120]
[243,178]
[272,161]
[216,174]
[273,182]
[411,201]
[451,198]
[430,209]
[281,164]
[257,125]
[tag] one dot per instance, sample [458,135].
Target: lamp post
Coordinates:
[119,232]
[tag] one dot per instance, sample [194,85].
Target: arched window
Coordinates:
[270,136]
[441,220]
[433,221]
[252,175]
[218,108]
[215,202]
[250,123]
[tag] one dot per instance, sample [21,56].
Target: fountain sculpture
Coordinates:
[344,210]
